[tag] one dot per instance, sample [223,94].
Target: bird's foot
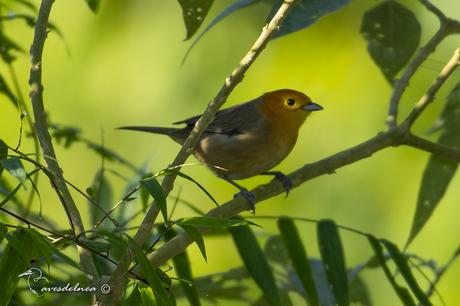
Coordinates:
[248,196]
[284,179]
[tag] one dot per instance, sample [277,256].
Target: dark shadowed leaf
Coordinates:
[438,172]
[134,298]
[28,4]
[298,254]
[5,89]
[196,236]
[161,295]
[212,222]
[333,258]
[256,263]
[100,245]
[402,292]
[401,262]
[3,231]
[184,272]
[194,12]
[102,195]
[14,166]
[156,191]
[239,4]
[3,154]
[8,48]
[305,13]
[93,5]
[392,33]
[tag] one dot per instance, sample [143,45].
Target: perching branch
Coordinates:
[447,26]
[397,136]
[41,128]
[118,278]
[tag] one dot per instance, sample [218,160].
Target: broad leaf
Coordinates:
[392,33]
[402,292]
[155,189]
[256,263]
[438,172]
[298,254]
[194,13]
[401,262]
[333,258]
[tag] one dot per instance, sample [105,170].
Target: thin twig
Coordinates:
[230,83]
[41,129]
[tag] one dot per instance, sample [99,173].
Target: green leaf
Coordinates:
[438,172]
[101,246]
[157,192]
[187,177]
[211,222]
[256,263]
[5,89]
[305,13]
[392,33]
[196,236]
[134,298]
[239,4]
[3,153]
[7,46]
[102,194]
[401,262]
[14,166]
[93,5]
[298,254]
[183,270]
[161,295]
[3,231]
[147,297]
[402,292]
[10,195]
[333,258]
[194,12]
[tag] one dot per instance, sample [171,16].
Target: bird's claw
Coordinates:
[249,197]
[285,180]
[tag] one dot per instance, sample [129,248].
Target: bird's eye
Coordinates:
[290,102]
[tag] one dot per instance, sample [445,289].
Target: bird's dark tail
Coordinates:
[151,129]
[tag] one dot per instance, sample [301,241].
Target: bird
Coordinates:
[247,139]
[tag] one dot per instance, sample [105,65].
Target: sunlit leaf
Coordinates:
[211,222]
[298,254]
[401,262]
[161,295]
[194,13]
[155,189]
[438,172]
[331,250]
[134,298]
[402,292]
[147,297]
[392,33]
[256,263]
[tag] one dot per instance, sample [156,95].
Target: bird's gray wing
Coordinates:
[232,120]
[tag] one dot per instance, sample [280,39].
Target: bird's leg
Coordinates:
[280,176]
[244,192]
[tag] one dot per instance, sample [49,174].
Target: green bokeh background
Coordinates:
[122,67]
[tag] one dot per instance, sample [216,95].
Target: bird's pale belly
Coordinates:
[241,156]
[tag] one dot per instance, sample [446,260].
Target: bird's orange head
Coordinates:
[287,107]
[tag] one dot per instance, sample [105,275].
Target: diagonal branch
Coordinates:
[41,128]
[118,279]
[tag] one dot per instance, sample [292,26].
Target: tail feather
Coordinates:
[151,129]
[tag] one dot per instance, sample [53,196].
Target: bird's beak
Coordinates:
[312,106]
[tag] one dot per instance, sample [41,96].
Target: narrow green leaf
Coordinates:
[239,4]
[183,269]
[3,154]
[102,194]
[161,295]
[3,231]
[401,262]
[93,5]
[256,263]
[5,89]
[333,258]
[100,245]
[305,13]
[439,172]
[194,12]
[298,254]
[187,177]
[196,236]
[14,166]
[392,33]
[402,292]
[212,222]
[147,297]
[155,189]
[134,298]
[10,195]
